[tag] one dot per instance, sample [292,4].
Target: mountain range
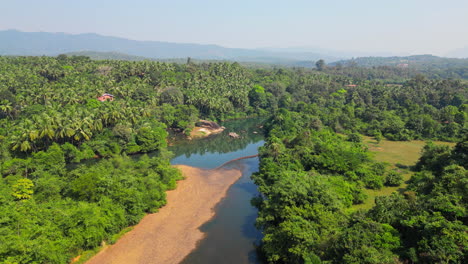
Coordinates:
[13,42]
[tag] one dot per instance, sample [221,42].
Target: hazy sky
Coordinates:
[398,26]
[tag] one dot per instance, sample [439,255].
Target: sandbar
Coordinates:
[169,235]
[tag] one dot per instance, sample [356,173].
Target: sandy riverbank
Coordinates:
[172,233]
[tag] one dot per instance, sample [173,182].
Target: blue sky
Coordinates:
[397,26]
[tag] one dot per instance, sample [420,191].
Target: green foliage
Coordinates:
[258,97]
[433,224]
[391,209]
[53,131]
[393,178]
[355,137]
[80,208]
[320,64]
[151,136]
[378,137]
[434,157]
[437,239]
[180,117]
[309,178]
[366,241]
[55,199]
[398,67]
[172,95]
[22,189]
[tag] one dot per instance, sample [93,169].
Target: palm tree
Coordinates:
[6,107]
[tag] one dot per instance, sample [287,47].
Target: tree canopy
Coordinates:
[68,180]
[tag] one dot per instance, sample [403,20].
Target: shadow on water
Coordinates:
[248,129]
[250,188]
[231,234]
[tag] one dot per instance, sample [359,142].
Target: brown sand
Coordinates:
[172,233]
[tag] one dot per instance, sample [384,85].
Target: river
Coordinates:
[230,235]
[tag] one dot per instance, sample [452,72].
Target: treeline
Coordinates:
[432,66]
[58,196]
[51,210]
[310,177]
[418,109]
[396,74]
[67,182]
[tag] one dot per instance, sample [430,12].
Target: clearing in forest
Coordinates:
[400,155]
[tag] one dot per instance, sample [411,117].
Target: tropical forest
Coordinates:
[85,151]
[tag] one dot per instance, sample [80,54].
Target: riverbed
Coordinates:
[208,217]
[230,236]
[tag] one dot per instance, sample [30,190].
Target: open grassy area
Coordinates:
[400,155]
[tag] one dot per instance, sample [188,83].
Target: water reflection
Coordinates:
[213,151]
[249,130]
[231,235]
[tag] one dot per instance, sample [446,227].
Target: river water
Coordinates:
[231,235]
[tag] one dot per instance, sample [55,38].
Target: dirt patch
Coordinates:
[75,259]
[172,233]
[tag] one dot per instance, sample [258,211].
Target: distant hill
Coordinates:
[432,66]
[95,55]
[415,61]
[111,55]
[13,42]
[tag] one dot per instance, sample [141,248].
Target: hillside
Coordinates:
[429,65]
[415,61]
[14,42]
[95,55]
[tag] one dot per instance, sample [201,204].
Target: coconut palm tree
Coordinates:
[6,107]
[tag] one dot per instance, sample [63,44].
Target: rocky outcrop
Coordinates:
[205,128]
[208,124]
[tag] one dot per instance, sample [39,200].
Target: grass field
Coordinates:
[400,155]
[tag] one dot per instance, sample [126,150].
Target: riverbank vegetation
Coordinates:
[68,181]
[310,178]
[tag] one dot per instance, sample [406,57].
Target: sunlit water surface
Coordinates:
[231,235]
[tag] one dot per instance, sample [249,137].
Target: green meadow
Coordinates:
[400,155]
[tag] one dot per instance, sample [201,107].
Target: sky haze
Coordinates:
[395,27]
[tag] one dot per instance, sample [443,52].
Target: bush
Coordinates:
[354,137]
[393,178]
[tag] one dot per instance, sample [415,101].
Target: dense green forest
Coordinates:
[310,177]
[394,69]
[69,180]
